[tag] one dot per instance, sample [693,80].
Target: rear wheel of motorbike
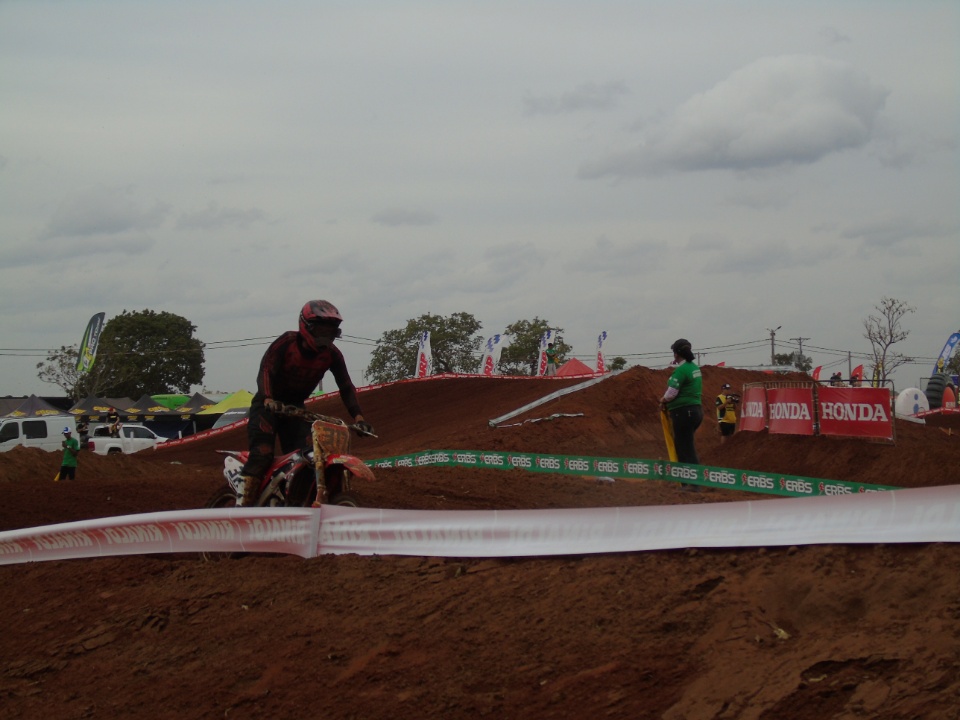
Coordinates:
[225,497]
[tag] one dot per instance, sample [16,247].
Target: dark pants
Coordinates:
[686,420]
[264,428]
[68,472]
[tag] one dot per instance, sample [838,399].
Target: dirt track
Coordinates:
[871,631]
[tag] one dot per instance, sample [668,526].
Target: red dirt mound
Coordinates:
[804,633]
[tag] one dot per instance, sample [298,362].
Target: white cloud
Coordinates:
[786,110]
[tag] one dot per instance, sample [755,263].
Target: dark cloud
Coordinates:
[103,212]
[396,217]
[214,217]
[589,96]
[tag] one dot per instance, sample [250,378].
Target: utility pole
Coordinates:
[773,352]
[800,343]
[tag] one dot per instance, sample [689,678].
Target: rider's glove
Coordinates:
[272,405]
[364,428]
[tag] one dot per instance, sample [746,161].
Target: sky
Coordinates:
[708,170]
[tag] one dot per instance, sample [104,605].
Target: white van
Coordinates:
[45,433]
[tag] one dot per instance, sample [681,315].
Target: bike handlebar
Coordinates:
[309,415]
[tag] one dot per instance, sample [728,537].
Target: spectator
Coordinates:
[83,431]
[551,359]
[71,450]
[726,403]
[682,400]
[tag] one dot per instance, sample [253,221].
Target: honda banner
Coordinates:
[753,415]
[858,412]
[790,411]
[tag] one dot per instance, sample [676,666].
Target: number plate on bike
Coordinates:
[333,439]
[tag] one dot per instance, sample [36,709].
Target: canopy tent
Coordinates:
[172,400]
[9,404]
[146,408]
[231,416]
[574,367]
[94,408]
[195,404]
[35,407]
[239,399]
[124,406]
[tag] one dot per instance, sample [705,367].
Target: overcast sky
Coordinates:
[711,170]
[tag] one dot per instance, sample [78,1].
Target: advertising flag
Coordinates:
[601,365]
[816,372]
[545,340]
[857,374]
[946,353]
[424,356]
[88,348]
[491,356]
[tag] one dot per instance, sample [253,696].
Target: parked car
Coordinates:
[45,433]
[133,438]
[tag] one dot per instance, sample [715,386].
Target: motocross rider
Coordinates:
[291,368]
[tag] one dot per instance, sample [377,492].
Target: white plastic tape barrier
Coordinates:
[901,516]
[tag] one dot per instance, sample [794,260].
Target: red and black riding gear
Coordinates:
[289,372]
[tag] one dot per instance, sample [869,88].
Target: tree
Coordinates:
[953,367]
[618,363]
[520,357]
[60,368]
[795,359]
[883,331]
[453,343]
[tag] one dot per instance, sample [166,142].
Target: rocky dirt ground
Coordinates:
[801,633]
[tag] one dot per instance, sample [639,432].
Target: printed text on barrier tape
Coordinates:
[633,469]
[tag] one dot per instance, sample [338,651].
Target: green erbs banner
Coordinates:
[633,469]
[88,348]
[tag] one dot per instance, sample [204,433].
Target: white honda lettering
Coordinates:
[789,411]
[855,412]
[753,409]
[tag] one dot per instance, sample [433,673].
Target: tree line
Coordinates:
[148,352]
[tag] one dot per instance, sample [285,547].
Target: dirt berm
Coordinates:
[801,633]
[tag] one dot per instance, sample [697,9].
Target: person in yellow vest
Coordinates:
[726,403]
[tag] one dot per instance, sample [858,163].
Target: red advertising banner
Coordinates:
[858,412]
[790,411]
[753,412]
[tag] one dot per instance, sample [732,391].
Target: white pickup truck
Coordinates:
[133,438]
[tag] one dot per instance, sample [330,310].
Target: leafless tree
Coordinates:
[883,331]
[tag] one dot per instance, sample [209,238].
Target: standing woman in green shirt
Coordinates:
[682,401]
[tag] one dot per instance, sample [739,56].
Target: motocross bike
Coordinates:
[308,477]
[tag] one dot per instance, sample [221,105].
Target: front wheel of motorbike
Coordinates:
[345,499]
[225,497]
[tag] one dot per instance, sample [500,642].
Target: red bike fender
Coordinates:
[354,464]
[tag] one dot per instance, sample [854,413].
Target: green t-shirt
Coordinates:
[69,459]
[686,378]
